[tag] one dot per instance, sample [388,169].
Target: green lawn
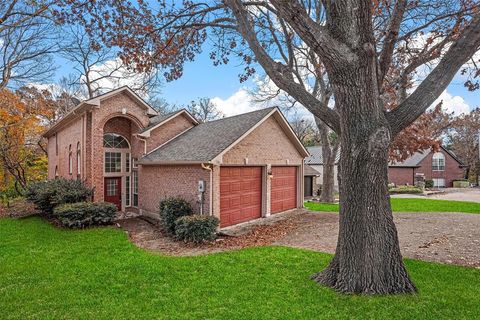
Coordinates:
[412,205]
[46,273]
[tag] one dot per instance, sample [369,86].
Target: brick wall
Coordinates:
[58,150]
[160,182]
[452,170]
[111,108]
[401,176]
[167,131]
[265,146]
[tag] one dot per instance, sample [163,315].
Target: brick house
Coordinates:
[238,168]
[443,167]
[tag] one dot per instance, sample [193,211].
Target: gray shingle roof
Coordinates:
[205,141]
[413,161]
[316,155]
[157,119]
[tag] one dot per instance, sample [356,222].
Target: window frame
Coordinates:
[437,159]
[70,160]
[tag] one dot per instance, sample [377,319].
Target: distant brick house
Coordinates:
[443,167]
[238,168]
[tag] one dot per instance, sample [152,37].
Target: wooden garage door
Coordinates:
[240,194]
[284,189]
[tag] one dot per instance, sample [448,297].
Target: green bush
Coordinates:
[406,189]
[85,214]
[47,195]
[428,183]
[196,228]
[171,209]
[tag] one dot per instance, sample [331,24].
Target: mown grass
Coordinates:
[411,205]
[47,273]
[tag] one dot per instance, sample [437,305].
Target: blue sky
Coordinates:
[202,79]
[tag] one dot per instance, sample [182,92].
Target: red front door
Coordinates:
[113,191]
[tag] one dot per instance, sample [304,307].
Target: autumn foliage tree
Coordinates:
[22,154]
[358,42]
[463,139]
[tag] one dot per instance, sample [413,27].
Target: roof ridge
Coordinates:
[238,115]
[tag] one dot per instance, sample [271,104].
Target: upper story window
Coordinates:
[438,161]
[78,160]
[112,140]
[70,160]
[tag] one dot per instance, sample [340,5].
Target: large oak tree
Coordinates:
[364,45]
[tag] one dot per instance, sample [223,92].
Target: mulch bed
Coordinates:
[149,235]
[18,209]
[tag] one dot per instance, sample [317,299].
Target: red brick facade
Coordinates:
[265,145]
[406,175]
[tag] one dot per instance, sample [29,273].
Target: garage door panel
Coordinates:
[240,194]
[283,189]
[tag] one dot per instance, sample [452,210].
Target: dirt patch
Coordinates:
[452,238]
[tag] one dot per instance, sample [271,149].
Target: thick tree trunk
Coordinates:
[367,259]
[329,154]
[328,180]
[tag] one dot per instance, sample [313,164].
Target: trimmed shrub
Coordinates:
[405,189]
[47,195]
[428,183]
[196,228]
[85,214]
[171,209]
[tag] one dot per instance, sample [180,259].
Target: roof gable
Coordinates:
[207,142]
[160,120]
[95,102]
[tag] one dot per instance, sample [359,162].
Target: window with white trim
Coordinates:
[79,164]
[135,188]
[113,140]
[127,191]
[113,162]
[70,160]
[438,161]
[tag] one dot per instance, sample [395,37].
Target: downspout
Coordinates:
[209,168]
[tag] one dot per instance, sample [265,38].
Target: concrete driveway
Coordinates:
[456,194]
[442,237]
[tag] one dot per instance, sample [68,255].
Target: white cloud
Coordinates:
[239,102]
[455,104]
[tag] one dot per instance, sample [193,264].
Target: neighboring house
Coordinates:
[315,160]
[310,176]
[443,167]
[238,168]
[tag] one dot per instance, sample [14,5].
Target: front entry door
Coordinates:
[113,191]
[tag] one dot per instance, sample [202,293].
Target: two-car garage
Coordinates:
[242,191]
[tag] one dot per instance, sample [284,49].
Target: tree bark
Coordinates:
[329,154]
[367,258]
[328,181]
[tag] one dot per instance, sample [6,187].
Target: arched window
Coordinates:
[438,161]
[112,140]
[70,160]
[79,164]
[56,172]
